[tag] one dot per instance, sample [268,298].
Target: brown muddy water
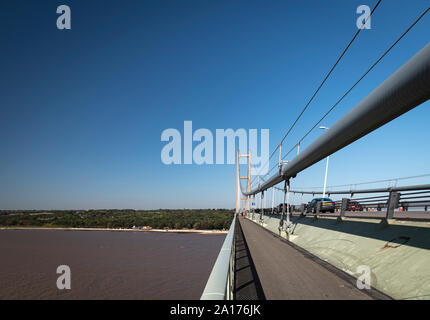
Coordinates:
[105,264]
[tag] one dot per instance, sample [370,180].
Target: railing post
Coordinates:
[318,207]
[262,209]
[302,209]
[253,207]
[344,206]
[273,201]
[281,221]
[288,205]
[393,203]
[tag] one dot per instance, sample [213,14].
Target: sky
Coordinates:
[82,110]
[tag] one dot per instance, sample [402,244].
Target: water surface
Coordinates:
[106,265]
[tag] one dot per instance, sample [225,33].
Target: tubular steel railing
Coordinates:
[404,90]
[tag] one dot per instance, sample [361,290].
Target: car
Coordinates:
[326,205]
[354,206]
[279,207]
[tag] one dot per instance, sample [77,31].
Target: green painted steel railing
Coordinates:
[220,282]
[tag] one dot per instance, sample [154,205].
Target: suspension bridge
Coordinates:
[370,243]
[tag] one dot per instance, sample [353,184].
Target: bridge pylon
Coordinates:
[239,178]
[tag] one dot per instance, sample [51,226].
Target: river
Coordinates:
[105,264]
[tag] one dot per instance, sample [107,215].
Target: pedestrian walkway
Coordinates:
[287,273]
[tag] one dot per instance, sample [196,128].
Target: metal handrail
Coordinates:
[389,202]
[404,90]
[219,285]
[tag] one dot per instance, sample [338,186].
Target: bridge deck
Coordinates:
[288,273]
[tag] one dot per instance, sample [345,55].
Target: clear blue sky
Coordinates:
[82,111]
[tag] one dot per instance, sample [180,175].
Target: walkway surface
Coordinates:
[247,285]
[287,273]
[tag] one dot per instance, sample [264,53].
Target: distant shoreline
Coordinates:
[119,230]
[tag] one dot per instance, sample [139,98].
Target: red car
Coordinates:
[278,209]
[355,206]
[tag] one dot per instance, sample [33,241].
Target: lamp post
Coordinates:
[326,168]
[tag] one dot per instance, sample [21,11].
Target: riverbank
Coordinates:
[121,229]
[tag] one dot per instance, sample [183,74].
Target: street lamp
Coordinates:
[326,167]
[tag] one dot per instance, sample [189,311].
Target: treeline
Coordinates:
[126,218]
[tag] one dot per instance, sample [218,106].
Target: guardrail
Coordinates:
[220,282]
[416,196]
[374,190]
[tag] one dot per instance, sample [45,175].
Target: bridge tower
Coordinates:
[239,178]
